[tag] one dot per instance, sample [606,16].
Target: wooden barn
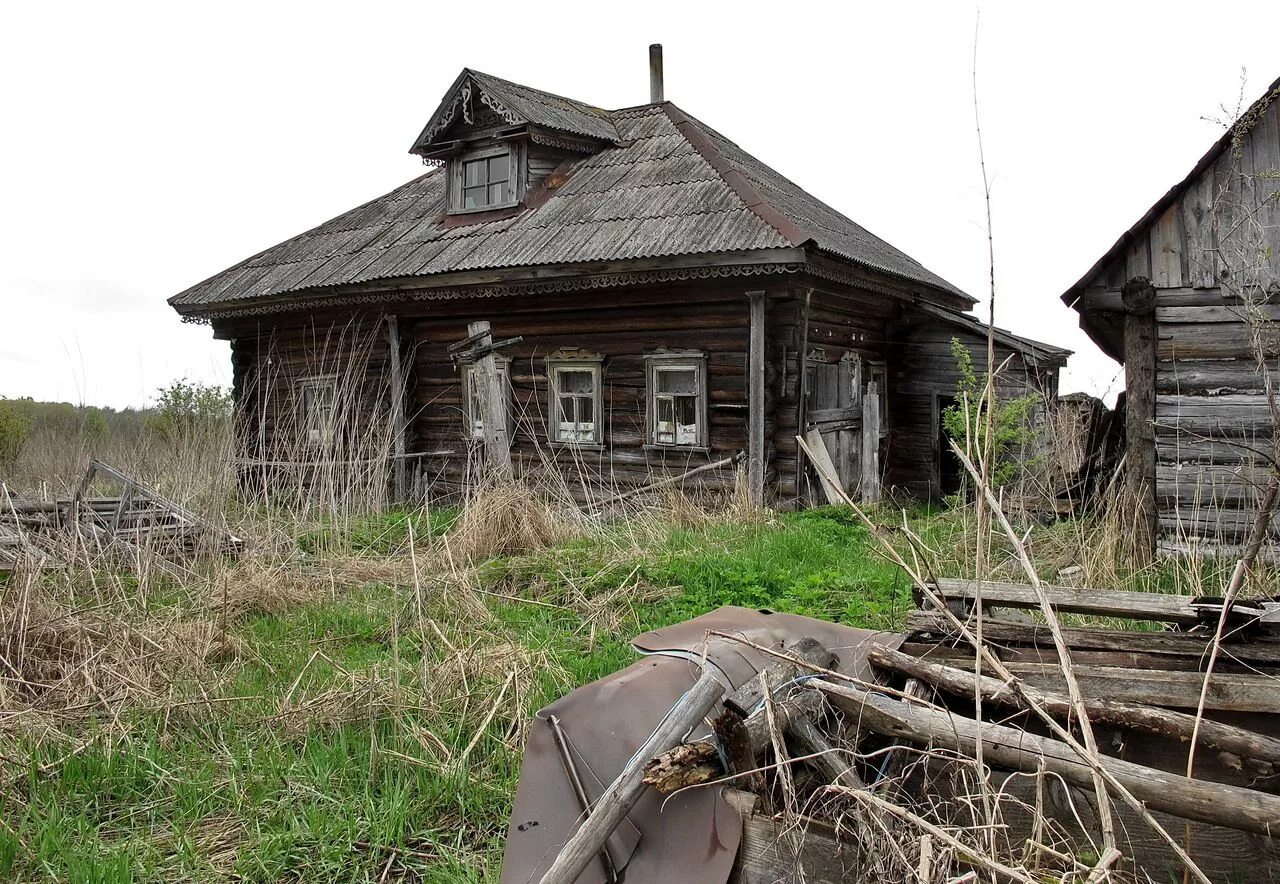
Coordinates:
[606,297]
[1187,299]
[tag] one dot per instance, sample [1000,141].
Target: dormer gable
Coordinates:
[498,139]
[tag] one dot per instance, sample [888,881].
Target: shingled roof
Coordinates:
[665,185]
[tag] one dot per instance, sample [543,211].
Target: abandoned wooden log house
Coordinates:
[1187,300]
[608,297]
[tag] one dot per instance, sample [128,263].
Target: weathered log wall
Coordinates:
[271,355]
[1212,256]
[622,327]
[924,374]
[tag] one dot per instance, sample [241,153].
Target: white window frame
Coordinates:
[683,360]
[514,191]
[472,423]
[572,361]
[317,432]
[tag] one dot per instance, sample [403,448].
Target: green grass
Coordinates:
[336,793]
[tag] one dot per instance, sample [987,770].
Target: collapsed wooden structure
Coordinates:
[41,533]
[901,742]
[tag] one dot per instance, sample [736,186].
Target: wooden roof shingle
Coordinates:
[665,185]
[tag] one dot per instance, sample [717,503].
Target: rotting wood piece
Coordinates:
[1260,650]
[1261,751]
[689,764]
[1215,803]
[1105,602]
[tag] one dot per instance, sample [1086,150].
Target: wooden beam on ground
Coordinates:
[1067,600]
[1101,709]
[756,456]
[1169,645]
[1216,803]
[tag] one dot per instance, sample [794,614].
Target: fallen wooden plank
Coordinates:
[1223,805]
[1168,644]
[824,466]
[1101,710]
[1101,602]
[1227,691]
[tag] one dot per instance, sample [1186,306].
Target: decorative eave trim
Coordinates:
[563,142]
[453,293]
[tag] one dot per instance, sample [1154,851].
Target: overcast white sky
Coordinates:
[148,146]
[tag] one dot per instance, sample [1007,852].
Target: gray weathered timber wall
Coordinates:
[1194,241]
[1207,251]
[1213,423]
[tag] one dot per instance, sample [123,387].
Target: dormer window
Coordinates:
[485,179]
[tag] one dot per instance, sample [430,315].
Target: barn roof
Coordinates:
[1071,296]
[1035,351]
[662,185]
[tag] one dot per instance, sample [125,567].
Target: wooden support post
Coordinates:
[1139,297]
[756,456]
[871,444]
[399,463]
[802,398]
[497,443]
[612,807]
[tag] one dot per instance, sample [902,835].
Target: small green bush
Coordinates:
[1013,426]
[186,408]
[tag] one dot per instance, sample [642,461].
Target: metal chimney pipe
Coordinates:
[655,73]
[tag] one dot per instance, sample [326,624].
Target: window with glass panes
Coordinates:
[486,181]
[575,402]
[318,405]
[677,395]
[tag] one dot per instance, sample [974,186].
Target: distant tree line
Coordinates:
[180,411]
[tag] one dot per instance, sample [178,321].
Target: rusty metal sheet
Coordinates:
[696,832]
[691,836]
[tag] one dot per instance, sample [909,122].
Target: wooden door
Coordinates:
[833,411]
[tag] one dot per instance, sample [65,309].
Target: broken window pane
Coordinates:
[678,380]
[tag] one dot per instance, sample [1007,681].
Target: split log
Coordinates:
[825,756]
[1262,751]
[699,762]
[585,844]
[1215,803]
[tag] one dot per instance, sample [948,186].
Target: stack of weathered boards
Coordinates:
[42,533]
[624,774]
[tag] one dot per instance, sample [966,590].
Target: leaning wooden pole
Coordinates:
[621,796]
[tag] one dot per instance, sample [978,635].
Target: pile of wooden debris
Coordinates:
[43,533]
[754,747]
